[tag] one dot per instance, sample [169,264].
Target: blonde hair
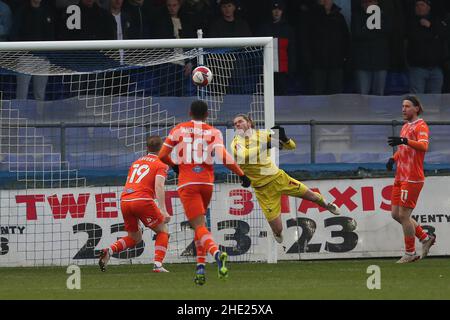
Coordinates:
[416,102]
[246,118]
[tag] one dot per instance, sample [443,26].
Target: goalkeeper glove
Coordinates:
[176,169]
[281,133]
[245,181]
[395,141]
[390,164]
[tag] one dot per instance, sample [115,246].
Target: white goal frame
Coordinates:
[268,68]
[265,42]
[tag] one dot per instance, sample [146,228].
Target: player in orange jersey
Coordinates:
[198,146]
[145,180]
[409,178]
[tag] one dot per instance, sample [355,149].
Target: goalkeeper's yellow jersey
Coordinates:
[253,157]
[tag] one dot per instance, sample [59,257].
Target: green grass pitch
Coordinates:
[336,279]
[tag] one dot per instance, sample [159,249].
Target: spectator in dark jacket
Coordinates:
[439,9]
[396,12]
[5,21]
[326,47]
[15,5]
[140,19]
[285,39]
[116,82]
[370,51]
[172,25]
[118,22]
[94,23]
[426,50]
[199,13]
[32,22]
[229,25]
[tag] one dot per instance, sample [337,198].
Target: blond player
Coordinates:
[409,178]
[146,179]
[250,147]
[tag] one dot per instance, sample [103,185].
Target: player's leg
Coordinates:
[207,242]
[129,241]
[409,235]
[200,277]
[277,228]
[409,193]
[403,216]
[161,244]
[195,200]
[413,191]
[194,209]
[220,257]
[295,188]
[395,213]
[133,237]
[321,201]
[152,218]
[200,272]
[426,239]
[269,199]
[395,201]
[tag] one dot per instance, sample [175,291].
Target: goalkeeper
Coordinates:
[251,149]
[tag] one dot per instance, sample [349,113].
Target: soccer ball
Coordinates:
[202,76]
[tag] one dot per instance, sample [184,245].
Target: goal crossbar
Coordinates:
[135,44]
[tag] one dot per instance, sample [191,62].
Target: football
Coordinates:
[202,76]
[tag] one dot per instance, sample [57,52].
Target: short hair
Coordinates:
[154,143]
[199,110]
[416,102]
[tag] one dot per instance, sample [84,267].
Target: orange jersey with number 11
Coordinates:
[410,161]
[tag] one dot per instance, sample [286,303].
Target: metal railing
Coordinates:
[228,124]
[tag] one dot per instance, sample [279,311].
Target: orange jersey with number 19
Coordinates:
[410,161]
[141,178]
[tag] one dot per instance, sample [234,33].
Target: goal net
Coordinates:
[75,115]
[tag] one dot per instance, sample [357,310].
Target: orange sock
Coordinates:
[206,240]
[162,240]
[410,245]
[122,244]
[201,254]
[421,234]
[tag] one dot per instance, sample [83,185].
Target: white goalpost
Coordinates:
[64,158]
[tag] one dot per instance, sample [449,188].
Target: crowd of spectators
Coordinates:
[325,45]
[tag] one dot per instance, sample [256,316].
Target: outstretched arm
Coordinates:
[228,160]
[285,142]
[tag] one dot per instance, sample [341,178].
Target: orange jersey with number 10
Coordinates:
[141,178]
[410,161]
[194,143]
